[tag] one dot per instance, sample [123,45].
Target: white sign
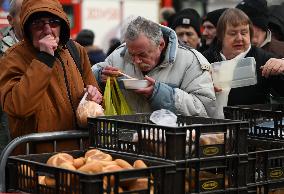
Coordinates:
[107,17]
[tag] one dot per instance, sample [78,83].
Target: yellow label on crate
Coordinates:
[277,173]
[210,151]
[210,185]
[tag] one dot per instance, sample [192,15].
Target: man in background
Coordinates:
[86,39]
[257,11]
[209,25]
[186,24]
[11,35]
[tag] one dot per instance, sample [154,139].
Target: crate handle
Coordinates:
[34,137]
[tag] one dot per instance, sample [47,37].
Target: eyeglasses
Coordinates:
[39,23]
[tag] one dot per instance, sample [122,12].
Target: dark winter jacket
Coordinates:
[255,94]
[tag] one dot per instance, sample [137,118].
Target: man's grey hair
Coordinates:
[143,26]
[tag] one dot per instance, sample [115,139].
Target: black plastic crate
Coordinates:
[211,175]
[137,134]
[23,175]
[226,160]
[266,120]
[266,171]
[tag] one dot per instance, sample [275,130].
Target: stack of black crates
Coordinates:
[266,142]
[218,167]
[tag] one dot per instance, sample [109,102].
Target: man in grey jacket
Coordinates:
[178,77]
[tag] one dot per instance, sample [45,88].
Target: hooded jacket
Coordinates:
[183,85]
[40,92]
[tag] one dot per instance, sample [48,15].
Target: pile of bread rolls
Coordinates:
[96,161]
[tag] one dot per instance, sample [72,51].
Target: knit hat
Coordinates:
[276,17]
[186,17]
[257,11]
[214,16]
[85,37]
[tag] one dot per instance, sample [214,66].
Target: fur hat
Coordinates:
[186,17]
[257,11]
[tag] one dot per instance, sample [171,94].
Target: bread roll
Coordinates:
[211,139]
[139,164]
[78,162]
[60,158]
[139,184]
[102,162]
[41,180]
[49,181]
[120,190]
[70,178]
[91,167]
[112,168]
[92,152]
[123,164]
[67,166]
[101,156]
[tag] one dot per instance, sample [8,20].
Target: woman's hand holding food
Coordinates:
[94,94]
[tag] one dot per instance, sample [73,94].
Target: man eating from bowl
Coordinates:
[178,77]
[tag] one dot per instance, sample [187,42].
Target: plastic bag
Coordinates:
[87,109]
[115,103]
[164,117]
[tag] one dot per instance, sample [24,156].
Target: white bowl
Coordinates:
[134,84]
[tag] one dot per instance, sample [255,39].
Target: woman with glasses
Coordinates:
[40,84]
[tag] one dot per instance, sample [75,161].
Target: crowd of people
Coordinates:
[41,84]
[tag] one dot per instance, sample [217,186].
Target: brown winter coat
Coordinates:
[35,95]
[275,46]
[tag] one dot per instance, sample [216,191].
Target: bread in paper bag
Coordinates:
[87,109]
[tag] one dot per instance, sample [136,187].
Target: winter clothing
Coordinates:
[186,17]
[40,92]
[273,45]
[8,40]
[86,39]
[182,83]
[95,54]
[214,16]
[257,11]
[276,19]
[255,94]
